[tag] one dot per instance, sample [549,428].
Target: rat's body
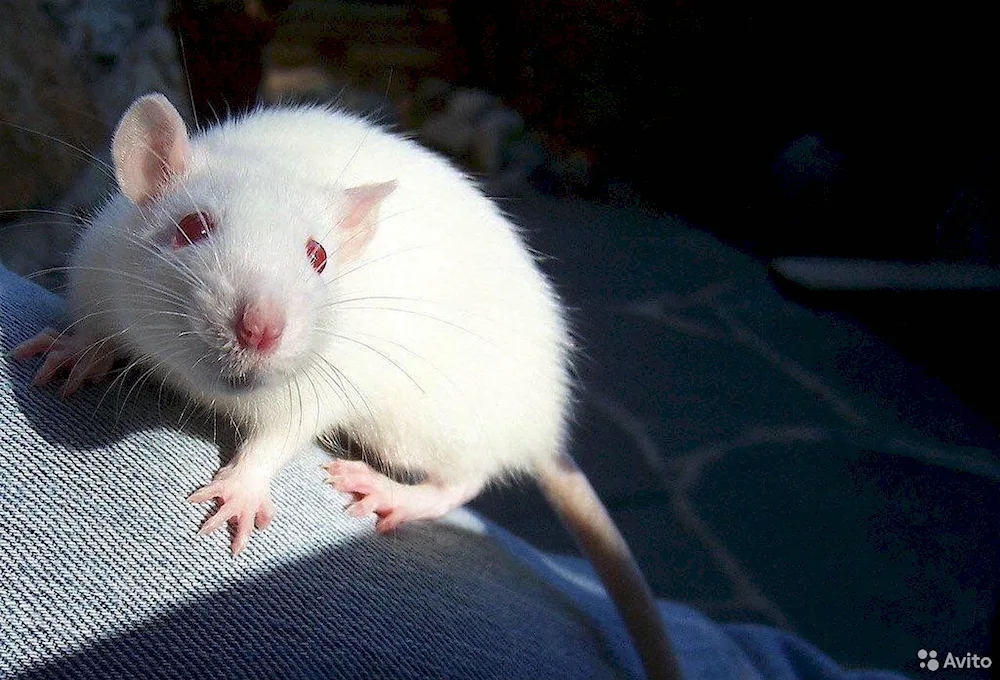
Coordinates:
[307,273]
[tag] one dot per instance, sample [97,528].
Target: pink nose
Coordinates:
[259,326]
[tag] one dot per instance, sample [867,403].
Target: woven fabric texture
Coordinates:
[102,574]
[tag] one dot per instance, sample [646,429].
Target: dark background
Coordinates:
[693,101]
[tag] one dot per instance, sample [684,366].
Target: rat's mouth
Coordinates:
[248,381]
[242,383]
[238,373]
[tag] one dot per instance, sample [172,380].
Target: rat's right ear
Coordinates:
[150,148]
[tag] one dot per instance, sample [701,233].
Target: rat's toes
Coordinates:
[354,468]
[351,476]
[206,493]
[265,515]
[66,352]
[39,344]
[244,501]
[389,523]
[244,526]
[353,484]
[55,360]
[365,506]
[225,512]
[92,367]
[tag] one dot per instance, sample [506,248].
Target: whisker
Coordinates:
[136,278]
[405,349]
[326,366]
[43,211]
[426,316]
[145,376]
[106,168]
[316,399]
[187,80]
[365,263]
[384,356]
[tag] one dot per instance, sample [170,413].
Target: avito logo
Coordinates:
[929,659]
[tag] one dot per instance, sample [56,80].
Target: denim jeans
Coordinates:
[102,574]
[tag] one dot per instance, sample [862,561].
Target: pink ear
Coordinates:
[360,216]
[150,148]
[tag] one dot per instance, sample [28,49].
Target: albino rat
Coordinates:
[305,273]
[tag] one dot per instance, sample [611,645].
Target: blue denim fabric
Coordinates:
[102,574]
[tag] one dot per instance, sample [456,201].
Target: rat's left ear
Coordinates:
[150,148]
[361,216]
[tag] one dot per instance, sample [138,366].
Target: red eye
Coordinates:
[193,228]
[316,255]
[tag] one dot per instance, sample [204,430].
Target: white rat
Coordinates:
[304,272]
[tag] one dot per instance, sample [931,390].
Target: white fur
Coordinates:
[466,376]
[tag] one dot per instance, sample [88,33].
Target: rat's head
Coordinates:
[240,261]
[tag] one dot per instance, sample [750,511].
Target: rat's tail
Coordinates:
[574,499]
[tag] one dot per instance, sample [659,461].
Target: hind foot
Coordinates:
[393,502]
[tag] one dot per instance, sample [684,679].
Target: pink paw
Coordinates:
[392,502]
[65,352]
[244,502]
[372,490]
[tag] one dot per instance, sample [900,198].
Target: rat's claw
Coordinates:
[244,525]
[54,361]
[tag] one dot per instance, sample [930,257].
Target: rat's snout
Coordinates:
[259,325]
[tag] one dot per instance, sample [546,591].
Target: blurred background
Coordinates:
[817,130]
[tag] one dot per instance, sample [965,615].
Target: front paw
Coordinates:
[244,500]
[81,360]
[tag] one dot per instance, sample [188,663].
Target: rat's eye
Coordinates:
[193,228]
[316,254]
